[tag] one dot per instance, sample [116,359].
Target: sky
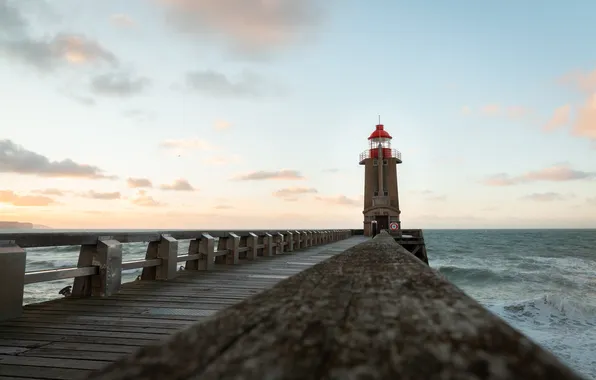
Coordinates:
[229,114]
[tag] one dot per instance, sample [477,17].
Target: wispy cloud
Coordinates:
[341,200]
[16,159]
[119,84]
[106,196]
[560,118]
[222,125]
[270,175]
[122,20]
[10,197]
[544,197]
[134,183]
[214,83]
[142,198]
[291,193]
[556,173]
[248,27]
[178,185]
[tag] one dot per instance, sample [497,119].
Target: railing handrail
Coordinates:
[45,238]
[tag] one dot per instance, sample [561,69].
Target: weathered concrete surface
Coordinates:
[373,312]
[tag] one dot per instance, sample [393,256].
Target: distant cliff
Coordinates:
[4,225]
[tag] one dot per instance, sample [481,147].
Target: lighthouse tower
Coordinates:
[381,198]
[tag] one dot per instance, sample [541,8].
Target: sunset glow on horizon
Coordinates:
[216,114]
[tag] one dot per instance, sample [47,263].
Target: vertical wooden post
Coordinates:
[109,260]
[290,247]
[296,239]
[193,249]
[106,255]
[166,249]
[206,252]
[268,241]
[279,243]
[13,260]
[251,242]
[232,245]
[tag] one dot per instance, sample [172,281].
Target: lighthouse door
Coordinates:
[382,222]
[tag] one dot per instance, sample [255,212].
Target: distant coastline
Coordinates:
[6,225]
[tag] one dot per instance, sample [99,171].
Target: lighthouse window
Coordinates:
[385,193]
[376,193]
[375,162]
[385,162]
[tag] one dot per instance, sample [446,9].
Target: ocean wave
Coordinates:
[458,274]
[550,309]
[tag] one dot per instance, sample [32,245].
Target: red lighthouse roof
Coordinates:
[380,133]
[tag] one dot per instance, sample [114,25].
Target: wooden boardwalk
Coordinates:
[68,338]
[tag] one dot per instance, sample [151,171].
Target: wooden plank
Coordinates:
[4,342]
[116,316]
[51,362]
[30,372]
[111,326]
[78,354]
[7,350]
[18,378]
[102,320]
[114,348]
[105,331]
[81,339]
[118,310]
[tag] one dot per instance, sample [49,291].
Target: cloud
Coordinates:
[291,193]
[102,196]
[585,124]
[16,159]
[544,197]
[10,197]
[556,173]
[145,200]
[122,20]
[561,117]
[340,200]
[178,185]
[55,192]
[213,83]
[580,80]
[222,125]
[118,84]
[248,27]
[45,53]
[187,144]
[266,175]
[134,183]
[430,195]
[591,201]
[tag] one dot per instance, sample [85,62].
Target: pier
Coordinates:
[104,320]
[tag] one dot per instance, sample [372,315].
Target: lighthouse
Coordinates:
[381,197]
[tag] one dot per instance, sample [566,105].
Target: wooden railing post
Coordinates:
[279,243]
[206,252]
[315,237]
[268,241]
[252,241]
[297,237]
[13,260]
[290,247]
[303,239]
[166,249]
[232,245]
[107,256]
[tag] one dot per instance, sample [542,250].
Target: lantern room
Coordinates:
[380,137]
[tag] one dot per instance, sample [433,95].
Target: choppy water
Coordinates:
[542,282]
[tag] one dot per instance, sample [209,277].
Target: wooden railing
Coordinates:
[99,269]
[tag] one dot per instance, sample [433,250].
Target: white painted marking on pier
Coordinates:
[272,276]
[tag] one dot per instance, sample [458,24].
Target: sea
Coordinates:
[542,282]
